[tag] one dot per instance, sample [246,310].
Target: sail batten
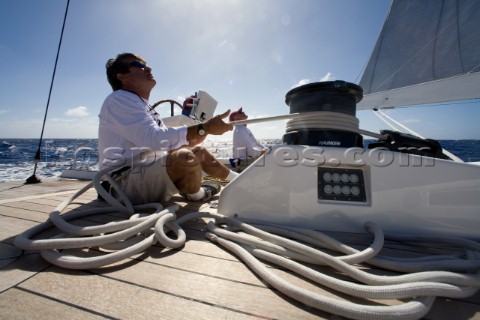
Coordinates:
[430,44]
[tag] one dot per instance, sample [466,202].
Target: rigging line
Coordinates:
[33,178]
[401,125]
[446,152]
[375,112]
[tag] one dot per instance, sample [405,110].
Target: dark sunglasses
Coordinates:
[137,64]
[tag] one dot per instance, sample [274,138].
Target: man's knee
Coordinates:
[200,152]
[204,156]
[183,166]
[184,158]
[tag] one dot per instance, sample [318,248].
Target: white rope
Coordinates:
[120,240]
[334,121]
[328,120]
[384,120]
[409,310]
[448,153]
[127,208]
[316,120]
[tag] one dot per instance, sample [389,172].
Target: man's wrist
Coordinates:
[201,131]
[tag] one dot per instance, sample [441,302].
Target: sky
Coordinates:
[244,53]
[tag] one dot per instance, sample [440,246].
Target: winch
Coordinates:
[328,106]
[323,178]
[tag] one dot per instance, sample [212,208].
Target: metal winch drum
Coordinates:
[328,96]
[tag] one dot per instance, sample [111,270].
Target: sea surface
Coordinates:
[17,156]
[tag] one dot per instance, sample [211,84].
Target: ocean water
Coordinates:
[17,155]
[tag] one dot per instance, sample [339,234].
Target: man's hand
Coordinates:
[217,126]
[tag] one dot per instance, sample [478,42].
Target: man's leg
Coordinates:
[185,166]
[209,164]
[184,170]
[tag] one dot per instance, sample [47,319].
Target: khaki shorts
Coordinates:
[146,184]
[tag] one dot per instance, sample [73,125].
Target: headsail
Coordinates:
[428,52]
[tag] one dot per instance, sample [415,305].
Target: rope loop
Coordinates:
[127,207]
[287,247]
[327,120]
[169,220]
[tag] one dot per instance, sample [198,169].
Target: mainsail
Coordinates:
[428,52]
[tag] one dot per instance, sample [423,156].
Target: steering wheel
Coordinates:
[172,105]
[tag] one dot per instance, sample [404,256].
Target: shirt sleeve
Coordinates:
[128,116]
[244,139]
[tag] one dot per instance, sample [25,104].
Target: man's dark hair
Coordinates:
[118,65]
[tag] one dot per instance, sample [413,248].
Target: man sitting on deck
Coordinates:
[159,161]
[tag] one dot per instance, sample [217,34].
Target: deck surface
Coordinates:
[199,281]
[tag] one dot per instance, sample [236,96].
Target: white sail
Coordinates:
[428,52]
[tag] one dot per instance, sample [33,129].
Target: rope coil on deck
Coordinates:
[429,276]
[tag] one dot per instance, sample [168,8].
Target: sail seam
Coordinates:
[460,51]
[437,32]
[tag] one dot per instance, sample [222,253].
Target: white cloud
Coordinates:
[79,111]
[327,77]
[3,111]
[301,83]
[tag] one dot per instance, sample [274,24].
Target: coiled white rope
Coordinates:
[316,120]
[328,120]
[117,241]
